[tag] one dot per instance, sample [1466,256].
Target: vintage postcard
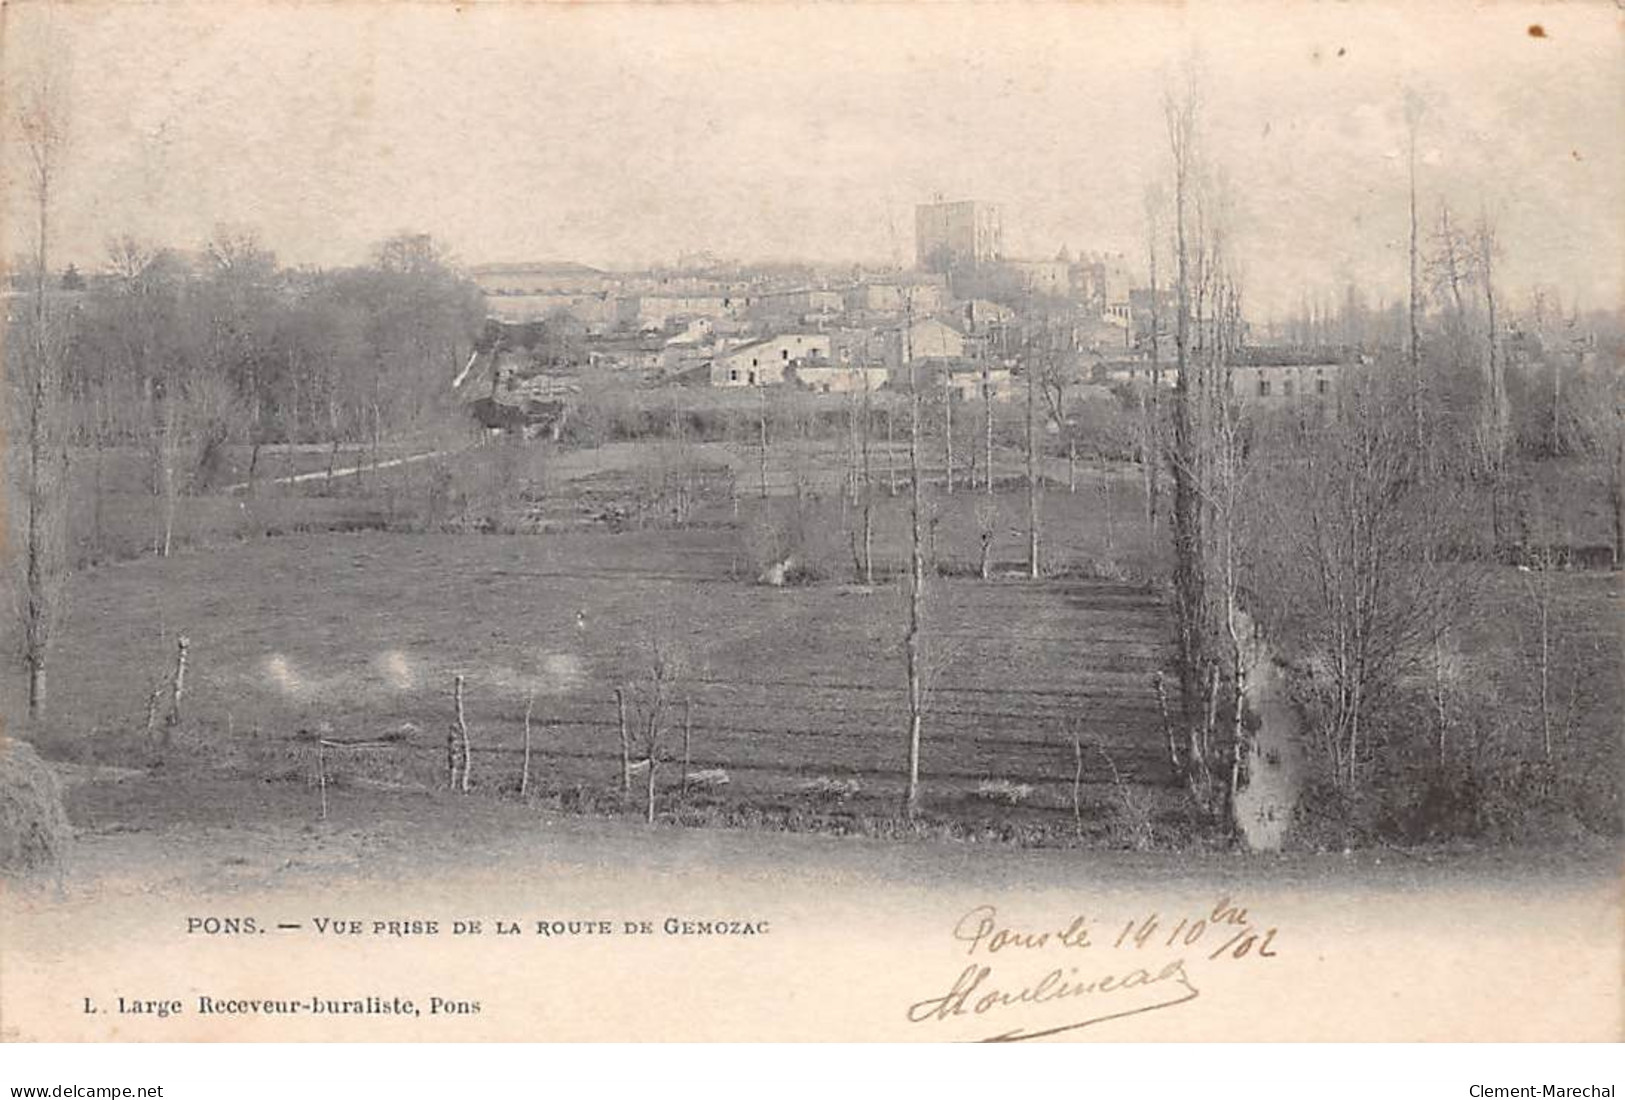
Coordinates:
[956,522]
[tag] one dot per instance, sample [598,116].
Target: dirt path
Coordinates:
[347,471]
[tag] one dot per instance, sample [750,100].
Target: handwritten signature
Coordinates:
[1120,985]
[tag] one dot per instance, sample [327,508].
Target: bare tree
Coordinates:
[1599,402]
[38,376]
[1150,442]
[651,701]
[1414,107]
[1537,586]
[1349,565]
[1190,597]
[1495,413]
[912,641]
[868,485]
[987,527]
[987,412]
[1449,268]
[1032,369]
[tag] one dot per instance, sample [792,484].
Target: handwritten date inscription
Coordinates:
[1108,969]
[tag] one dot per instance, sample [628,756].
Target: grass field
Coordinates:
[797,693]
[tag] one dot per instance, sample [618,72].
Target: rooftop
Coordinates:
[546,267]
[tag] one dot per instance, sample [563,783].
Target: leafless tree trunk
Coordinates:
[868,489]
[39,122]
[1189,568]
[1150,434]
[663,671]
[1616,488]
[891,458]
[169,448]
[1413,342]
[1175,761]
[850,499]
[649,787]
[851,448]
[987,414]
[1538,587]
[1496,415]
[761,436]
[948,430]
[987,523]
[916,596]
[1031,367]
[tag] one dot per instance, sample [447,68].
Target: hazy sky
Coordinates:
[617,134]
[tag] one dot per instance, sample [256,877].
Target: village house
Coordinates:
[653,312]
[925,338]
[966,382]
[629,353]
[763,362]
[1258,376]
[1275,384]
[805,305]
[596,312]
[889,299]
[1042,278]
[977,314]
[699,330]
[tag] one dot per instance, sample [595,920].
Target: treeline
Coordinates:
[169,353]
[1355,540]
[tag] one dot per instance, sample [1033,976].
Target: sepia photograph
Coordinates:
[812,522]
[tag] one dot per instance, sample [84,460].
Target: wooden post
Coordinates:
[688,738]
[626,744]
[152,707]
[1077,782]
[649,792]
[524,774]
[465,755]
[1106,509]
[177,688]
[321,771]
